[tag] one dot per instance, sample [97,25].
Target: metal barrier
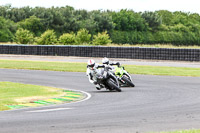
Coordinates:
[101,51]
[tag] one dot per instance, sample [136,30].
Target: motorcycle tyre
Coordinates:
[110,83]
[128,82]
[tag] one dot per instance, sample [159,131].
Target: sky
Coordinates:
[192,6]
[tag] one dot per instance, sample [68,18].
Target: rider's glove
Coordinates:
[118,64]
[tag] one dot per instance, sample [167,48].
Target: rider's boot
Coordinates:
[98,87]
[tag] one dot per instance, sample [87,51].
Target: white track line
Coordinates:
[48,110]
[88,96]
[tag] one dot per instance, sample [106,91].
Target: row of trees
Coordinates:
[124,26]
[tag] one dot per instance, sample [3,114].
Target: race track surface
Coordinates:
[157,103]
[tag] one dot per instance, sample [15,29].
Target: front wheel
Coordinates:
[113,85]
[128,81]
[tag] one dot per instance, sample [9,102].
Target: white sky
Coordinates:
[192,6]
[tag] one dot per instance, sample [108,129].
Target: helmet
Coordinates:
[91,63]
[105,60]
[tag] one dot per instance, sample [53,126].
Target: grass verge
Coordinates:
[17,93]
[131,45]
[162,70]
[155,46]
[43,65]
[184,131]
[81,67]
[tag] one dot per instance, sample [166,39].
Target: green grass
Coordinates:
[132,45]
[163,70]
[45,65]
[154,46]
[16,93]
[184,131]
[81,67]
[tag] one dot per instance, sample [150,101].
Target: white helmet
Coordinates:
[91,63]
[105,60]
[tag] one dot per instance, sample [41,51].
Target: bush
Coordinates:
[83,36]
[67,39]
[23,36]
[101,39]
[47,38]
[5,35]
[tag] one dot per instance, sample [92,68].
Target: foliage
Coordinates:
[47,38]
[23,36]
[127,20]
[6,28]
[67,39]
[101,39]
[102,20]
[166,16]
[153,19]
[32,24]
[83,36]
[130,37]
[124,26]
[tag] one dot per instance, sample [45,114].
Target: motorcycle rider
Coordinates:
[91,72]
[106,61]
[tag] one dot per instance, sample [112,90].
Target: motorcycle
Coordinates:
[107,80]
[123,76]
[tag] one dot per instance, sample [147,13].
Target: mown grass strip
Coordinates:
[15,106]
[163,70]
[45,65]
[81,67]
[60,99]
[42,102]
[15,94]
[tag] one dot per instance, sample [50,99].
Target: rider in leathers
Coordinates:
[91,72]
[106,61]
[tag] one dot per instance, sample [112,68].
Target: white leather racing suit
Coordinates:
[91,73]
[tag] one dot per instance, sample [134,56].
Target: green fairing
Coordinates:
[119,71]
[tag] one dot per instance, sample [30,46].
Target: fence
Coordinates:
[101,51]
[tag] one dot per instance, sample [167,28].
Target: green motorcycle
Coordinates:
[123,76]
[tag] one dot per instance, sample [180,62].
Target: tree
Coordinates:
[128,20]
[102,20]
[180,18]
[67,21]
[153,19]
[6,28]
[45,15]
[32,24]
[166,16]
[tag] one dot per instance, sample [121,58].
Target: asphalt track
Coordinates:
[157,103]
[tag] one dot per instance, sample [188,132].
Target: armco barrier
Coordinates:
[101,51]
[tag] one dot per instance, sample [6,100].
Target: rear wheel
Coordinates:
[113,85]
[128,81]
